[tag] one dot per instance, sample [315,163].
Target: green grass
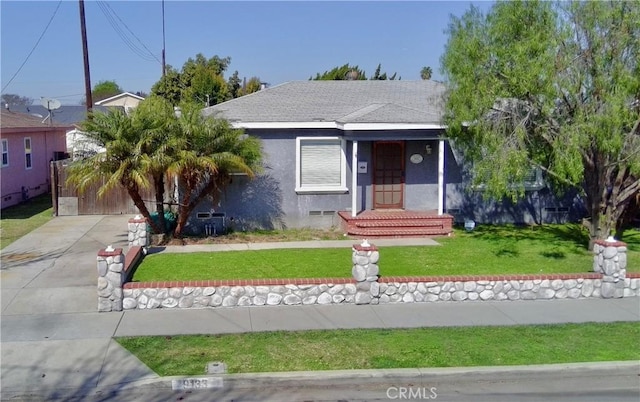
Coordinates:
[21,219]
[488,250]
[380,349]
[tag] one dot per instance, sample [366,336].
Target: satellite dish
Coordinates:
[50,104]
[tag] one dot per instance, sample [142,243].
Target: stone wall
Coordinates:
[138,232]
[365,287]
[199,294]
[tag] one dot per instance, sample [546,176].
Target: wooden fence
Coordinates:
[68,201]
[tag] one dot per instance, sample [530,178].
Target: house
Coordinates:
[28,147]
[125,100]
[69,115]
[371,156]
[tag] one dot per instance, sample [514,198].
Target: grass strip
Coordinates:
[490,250]
[388,348]
[17,221]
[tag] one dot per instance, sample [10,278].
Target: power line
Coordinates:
[109,13]
[34,46]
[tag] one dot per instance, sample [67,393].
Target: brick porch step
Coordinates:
[398,232]
[394,223]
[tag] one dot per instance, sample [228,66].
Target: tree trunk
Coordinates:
[158,183]
[133,192]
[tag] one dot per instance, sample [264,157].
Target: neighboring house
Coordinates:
[28,147]
[350,152]
[78,144]
[125,100]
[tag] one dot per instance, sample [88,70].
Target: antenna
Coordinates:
[50,104]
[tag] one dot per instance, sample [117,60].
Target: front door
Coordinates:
[388,175]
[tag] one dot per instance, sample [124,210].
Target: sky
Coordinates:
[275,41]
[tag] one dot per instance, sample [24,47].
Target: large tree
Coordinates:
[552,85]
[13,99]
[142,148]
[209,151]
[124,163]
[349,72]
[105,89]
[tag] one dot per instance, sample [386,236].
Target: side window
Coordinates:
[5,152]
[27,153]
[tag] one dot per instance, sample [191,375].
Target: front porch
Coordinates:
[396,223]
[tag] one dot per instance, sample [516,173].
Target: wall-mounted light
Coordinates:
[428,149]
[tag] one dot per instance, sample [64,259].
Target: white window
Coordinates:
[27,153]
[320,165]
[5,152]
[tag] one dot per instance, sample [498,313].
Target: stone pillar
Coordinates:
[139,232]
[366,271]
[110,278]
[610,260]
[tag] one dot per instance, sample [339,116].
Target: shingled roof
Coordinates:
[338,103]
[9,119]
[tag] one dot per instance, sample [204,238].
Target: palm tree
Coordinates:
[425,73]
[209,151]
[124,163]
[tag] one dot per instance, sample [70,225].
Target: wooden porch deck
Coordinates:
[396,223]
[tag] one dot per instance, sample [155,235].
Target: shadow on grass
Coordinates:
[556,255]
[572,233]
[31,207]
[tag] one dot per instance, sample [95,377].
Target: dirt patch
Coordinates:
[255,237]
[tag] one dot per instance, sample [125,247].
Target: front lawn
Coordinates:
[17,221]
[384,348]
[487,250]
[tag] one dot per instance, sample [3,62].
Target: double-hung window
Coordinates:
[27,153]
[5,152]
[320,165]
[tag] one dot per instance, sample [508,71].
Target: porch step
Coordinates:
[379,224]
[399,232]
[398,223]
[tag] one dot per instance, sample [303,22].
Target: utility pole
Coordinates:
[164,64]
[85,53]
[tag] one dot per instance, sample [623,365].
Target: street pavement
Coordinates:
[55,345]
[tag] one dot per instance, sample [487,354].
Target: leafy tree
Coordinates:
[200,80]
[105,89]
[382,76]
[152,142]
[234,84]
[209,152]
[124,164]
[348,72]
[425,73]
[253,85]
[13,99]
[555,86]
[344,72]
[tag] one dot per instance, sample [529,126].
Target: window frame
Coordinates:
[5,152]
[28,153]
[336,188]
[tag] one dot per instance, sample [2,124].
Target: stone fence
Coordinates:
[609,279]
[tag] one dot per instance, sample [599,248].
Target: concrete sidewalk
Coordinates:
[54,341]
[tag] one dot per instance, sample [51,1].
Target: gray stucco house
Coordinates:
[371,156]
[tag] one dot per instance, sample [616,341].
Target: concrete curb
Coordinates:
[254,379]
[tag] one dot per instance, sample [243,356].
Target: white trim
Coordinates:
[121,95]
[354,178]
[5,150]
[283,124]
[336,125]
[440,177]
[30,153]
[388,126]
[342,188]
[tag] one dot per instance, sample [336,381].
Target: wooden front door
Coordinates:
[388,175]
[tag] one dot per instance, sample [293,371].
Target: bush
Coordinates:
[170,220]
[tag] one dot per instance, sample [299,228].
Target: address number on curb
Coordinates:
[196,383]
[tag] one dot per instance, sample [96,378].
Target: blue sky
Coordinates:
[276,41]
